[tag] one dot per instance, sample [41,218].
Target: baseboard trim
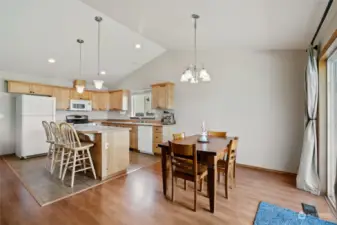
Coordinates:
[265,169]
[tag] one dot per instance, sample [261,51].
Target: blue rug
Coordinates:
[269,214]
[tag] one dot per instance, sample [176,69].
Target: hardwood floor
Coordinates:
[138,199]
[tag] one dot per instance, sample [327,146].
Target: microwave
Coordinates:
[80,105]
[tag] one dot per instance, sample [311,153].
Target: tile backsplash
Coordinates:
[61,115]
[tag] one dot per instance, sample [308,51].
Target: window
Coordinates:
[141,103]
[332,126]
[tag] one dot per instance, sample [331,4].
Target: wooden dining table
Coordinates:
[208,154]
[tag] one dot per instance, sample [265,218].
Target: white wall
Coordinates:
[7,107]
[258,96]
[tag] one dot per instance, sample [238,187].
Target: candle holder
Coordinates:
[203,138]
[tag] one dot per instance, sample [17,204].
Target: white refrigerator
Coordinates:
[30,135]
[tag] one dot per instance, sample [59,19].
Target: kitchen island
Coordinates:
[110,153]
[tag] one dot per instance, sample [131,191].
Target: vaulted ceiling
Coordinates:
[32,31]
[254,24]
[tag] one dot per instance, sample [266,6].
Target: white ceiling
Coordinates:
[32,31]
[254,24]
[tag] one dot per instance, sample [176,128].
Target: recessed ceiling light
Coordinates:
[138,46]
[51,60]
[103,72]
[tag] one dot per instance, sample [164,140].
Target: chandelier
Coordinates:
[80,84]
[193,74]
[98,83]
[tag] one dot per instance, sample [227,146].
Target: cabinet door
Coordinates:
[86,95]
[41,89]
[154,99]
[161,98]
[62,98]
[112,100]
[18,87]
[95,96]
[104,101]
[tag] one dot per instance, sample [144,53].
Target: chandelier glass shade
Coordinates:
[193,74]
[80,84]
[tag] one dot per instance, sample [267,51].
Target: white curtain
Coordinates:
[307,176]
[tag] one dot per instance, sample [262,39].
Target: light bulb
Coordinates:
[98,84]
[80,88]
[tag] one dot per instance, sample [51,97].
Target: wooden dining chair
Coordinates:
[228,166]
[217,134]
[51,142]
[184,165]
[79,154]
[179,136]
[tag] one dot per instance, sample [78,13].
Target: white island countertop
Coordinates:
[98,129]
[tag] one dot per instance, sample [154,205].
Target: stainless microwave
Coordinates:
[80,105]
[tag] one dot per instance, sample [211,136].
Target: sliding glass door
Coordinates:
[332,126]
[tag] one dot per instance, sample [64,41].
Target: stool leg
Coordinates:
[74,168]
[91,164]
[61,163]
[66,166]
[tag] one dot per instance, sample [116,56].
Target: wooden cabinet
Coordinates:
[62,96]
[100,101]
[86,95]
[18,87]
[162,96]
[157,139]
[29,88]
[40,89]
[134,137]
[119,100]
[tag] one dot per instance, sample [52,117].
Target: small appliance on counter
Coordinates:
[77,119]
[168,118]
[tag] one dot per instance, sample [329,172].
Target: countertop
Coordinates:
[98,129]
[135,123]
[126,122]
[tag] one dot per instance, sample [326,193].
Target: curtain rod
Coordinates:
[322,20]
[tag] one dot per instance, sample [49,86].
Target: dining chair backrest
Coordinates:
[55,129]
[232,150]
[48,132]
[179,136]
[184,157]
[217,134]
[69,135]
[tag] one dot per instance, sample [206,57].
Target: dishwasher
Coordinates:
[145,139]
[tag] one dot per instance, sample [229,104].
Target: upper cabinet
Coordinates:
[86,95]
[119,100]
[163,95]
[100,101]
[62,96]
[29,88]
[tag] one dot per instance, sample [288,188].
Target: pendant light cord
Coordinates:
[195,43]
[98,48]
[80,42]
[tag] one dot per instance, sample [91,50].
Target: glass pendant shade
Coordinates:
[80,88]
[204,76]
[98,84]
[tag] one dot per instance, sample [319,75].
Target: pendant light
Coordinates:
[80,84]
[192,74]
[98,83]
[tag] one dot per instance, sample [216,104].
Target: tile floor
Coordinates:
[46,188]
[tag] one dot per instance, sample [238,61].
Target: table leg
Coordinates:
[164,170]
[211,181]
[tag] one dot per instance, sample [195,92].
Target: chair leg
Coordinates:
[52,158]
[173,183]
[185,188]
[234,170]
[226,184]
[66,166]
[73,170]
[55,158]
[218,175]
[201,184]
[195,196]
[61,163]
[91,164]
[83,161]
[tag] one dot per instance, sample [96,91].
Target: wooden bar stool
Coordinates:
[59,153]
[228,166]
[50,140]
[184,165]
[79,154]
